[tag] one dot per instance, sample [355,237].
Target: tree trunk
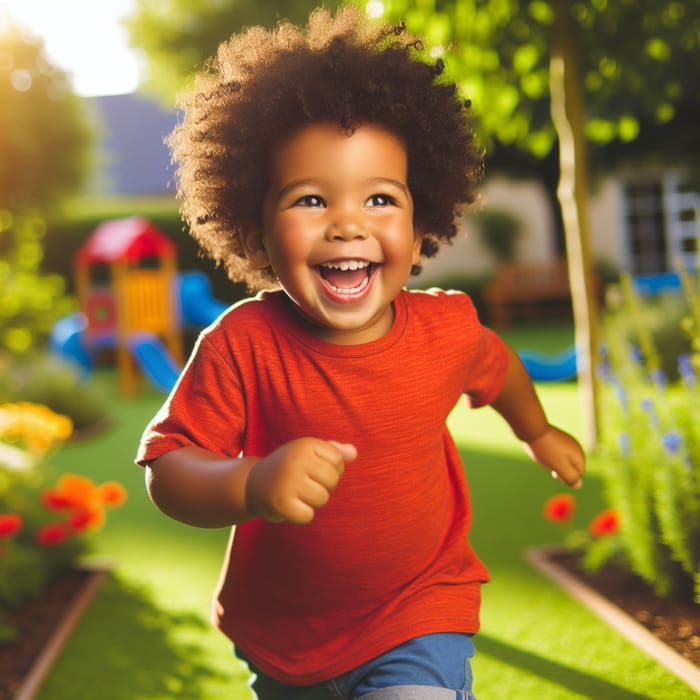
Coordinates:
[567,115]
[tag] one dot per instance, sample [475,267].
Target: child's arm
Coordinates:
[552,448]
[201,488]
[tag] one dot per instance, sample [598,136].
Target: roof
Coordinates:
[130,239]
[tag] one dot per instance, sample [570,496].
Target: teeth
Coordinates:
[346,265]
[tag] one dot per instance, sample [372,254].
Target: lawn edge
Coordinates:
[51,650]
[619,620]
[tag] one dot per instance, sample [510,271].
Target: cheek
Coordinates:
[289,243]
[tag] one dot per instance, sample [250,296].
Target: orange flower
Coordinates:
[78,490]
[560,508]
[52,534]
[82,519]
[112,494]
[607,522]
[10,525]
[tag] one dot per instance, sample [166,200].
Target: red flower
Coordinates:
[10,525]
[560,509]
[52,534]
[83,519]
[54,500]
[606,522]
[112,494]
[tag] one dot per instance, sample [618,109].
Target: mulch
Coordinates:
[674,622]
[34,622]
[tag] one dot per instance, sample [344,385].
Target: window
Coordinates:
[662,220]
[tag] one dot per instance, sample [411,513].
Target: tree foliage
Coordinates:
[179,36]
[639,61]
[45,133]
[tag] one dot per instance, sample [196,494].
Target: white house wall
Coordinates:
[467,256]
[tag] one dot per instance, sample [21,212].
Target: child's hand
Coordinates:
[561,453]
[296,479]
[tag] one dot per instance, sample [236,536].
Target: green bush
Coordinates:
[45,379]
[30,301]
[661,317]
[499,232]
[649,454]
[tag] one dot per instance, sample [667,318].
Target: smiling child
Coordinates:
[320,165]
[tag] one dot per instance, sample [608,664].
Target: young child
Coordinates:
[322,164]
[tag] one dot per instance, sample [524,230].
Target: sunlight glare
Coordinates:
[374,8]
[84,38]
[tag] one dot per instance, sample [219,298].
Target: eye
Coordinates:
[380,200]
[309,200]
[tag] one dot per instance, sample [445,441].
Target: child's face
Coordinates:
[338,229]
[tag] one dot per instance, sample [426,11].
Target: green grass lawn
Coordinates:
[147,634]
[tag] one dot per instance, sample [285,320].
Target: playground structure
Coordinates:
[134,302]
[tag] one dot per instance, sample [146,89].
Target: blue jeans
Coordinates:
[432,667]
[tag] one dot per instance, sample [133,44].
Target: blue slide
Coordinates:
[199,307]
[154,360]
[66,341]
[545,368]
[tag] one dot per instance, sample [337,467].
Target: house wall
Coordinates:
[606,222]
[467,255]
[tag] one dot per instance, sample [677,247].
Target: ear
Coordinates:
[417,243]
[255,250]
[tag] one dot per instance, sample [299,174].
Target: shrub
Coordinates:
[649,454]
[42,378]
[30,301]
[45,519]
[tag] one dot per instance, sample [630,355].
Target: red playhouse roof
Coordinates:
[129,239]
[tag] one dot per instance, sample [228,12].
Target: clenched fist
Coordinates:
[296,479]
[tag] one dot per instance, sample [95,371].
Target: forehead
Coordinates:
[325,149]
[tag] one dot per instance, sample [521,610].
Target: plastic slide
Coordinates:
[199,307]
[66,341]
[545,368]
[654,285]
[154,360]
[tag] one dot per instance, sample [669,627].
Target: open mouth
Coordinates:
[346,276]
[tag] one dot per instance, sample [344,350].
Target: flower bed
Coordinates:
[45,519]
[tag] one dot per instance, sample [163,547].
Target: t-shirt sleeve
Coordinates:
[205,409]
[486,356]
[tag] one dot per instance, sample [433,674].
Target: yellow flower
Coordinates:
[35,427]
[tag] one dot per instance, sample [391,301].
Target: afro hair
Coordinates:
[264,85]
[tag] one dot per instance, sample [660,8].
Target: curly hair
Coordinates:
[263,86]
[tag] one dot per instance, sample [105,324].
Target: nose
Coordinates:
[345,228]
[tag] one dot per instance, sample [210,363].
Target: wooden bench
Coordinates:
[521,287]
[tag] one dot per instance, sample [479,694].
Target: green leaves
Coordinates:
[45,132]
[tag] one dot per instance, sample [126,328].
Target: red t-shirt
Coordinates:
[387,559]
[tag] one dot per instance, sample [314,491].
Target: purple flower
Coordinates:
[648,407]
[659,378]
[672,442]
[685,367]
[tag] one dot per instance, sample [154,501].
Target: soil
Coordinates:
[676,623]
[34,622]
